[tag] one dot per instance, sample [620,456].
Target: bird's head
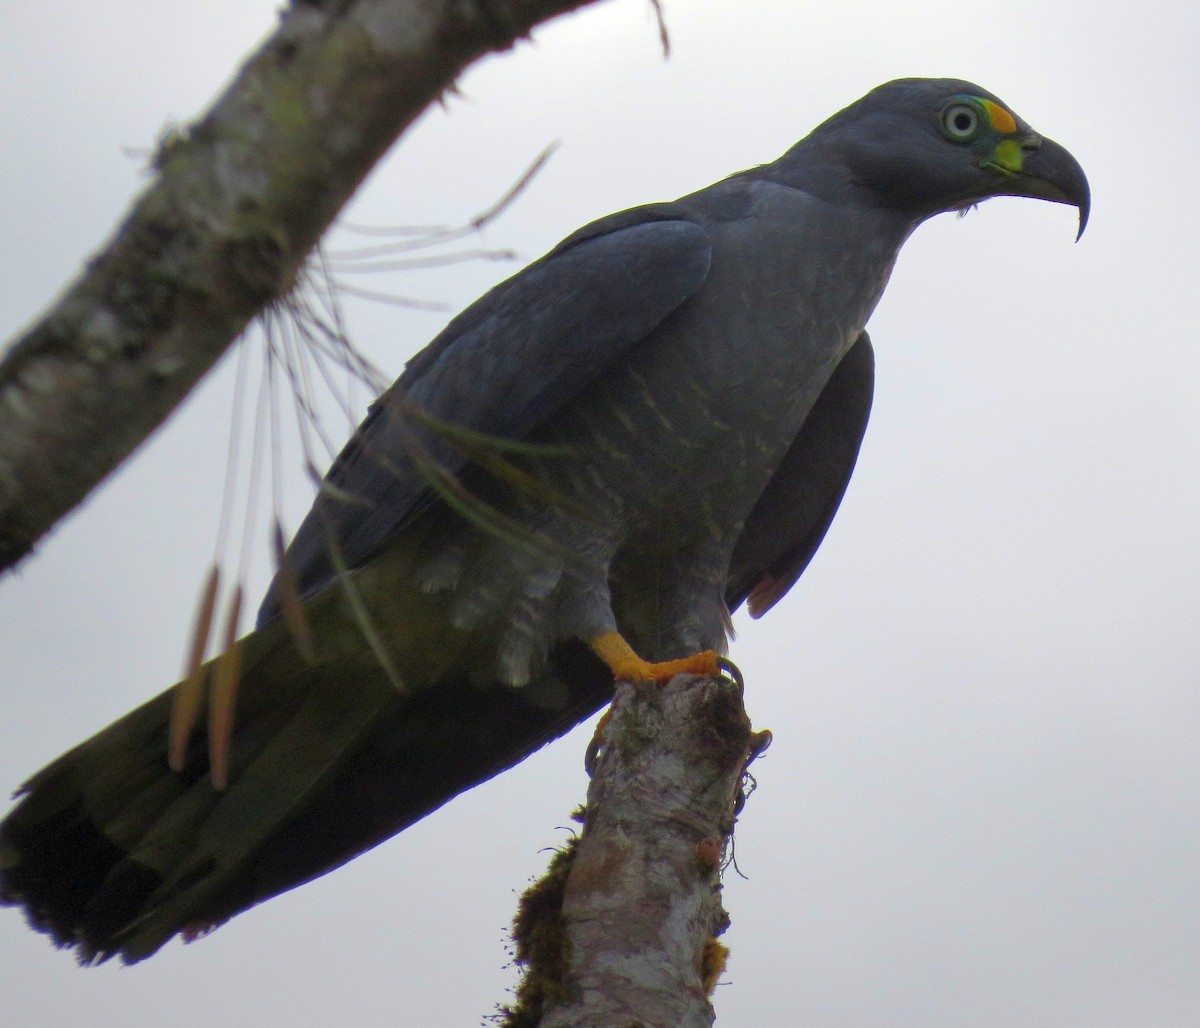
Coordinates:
[925,146]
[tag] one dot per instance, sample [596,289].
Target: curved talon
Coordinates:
[595,746]
[731,671]
[591,756]
[760,742]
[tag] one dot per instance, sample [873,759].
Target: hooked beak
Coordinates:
[1049,172]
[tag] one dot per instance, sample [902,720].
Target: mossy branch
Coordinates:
[236,202]
[624,928]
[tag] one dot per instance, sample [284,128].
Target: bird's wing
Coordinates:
[793,513]
[502,367]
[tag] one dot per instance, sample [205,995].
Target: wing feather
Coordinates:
[502,367]
[795,510]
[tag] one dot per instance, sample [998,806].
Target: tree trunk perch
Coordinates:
[237,202]
[635,941]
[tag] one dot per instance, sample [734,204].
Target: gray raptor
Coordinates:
[576,482]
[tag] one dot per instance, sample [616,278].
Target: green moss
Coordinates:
[171,145]
[539,940]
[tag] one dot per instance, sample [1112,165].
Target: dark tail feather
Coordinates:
[112,853]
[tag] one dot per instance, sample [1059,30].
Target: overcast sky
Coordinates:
[983,802]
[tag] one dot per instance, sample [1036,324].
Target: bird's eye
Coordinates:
[960,122]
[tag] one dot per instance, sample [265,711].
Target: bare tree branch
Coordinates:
[628,935]
[236,203]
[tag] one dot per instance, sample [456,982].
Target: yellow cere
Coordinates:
[1002,121]
[1008,155]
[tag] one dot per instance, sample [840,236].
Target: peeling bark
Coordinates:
[237,201]
[635,938]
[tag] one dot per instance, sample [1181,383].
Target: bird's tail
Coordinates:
[111,852]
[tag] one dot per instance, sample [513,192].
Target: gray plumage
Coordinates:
[687,383]
[713,324]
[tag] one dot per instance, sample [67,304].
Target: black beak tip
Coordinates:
[1081,196]
[1065,173]
[1055,175]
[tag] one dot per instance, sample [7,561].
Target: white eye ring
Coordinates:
[960,122]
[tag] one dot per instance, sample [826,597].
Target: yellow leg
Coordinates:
[627,666]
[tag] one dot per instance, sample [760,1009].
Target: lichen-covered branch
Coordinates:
[237,201]
[623,930]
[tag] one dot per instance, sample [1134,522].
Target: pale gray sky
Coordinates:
[983,803]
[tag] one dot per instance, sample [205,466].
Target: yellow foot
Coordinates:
[627,666]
